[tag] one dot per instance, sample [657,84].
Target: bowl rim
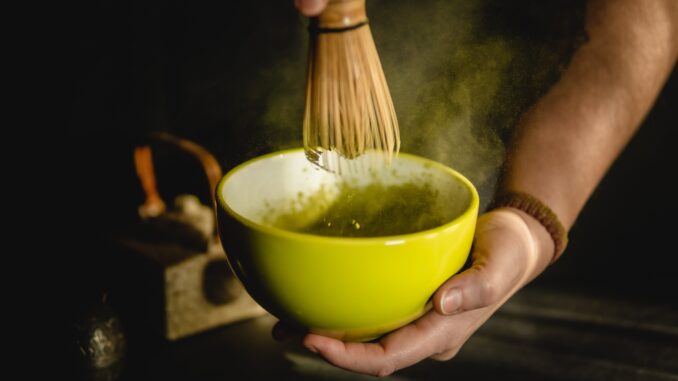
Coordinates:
[386,239]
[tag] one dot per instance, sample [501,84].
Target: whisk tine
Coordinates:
[348,108]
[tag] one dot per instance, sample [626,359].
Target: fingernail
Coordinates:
[311,348]
[451,301]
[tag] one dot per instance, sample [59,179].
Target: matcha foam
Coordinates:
[371,210]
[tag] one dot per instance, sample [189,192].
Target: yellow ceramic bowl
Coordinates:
[354,289]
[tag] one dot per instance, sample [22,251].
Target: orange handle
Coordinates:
[153,206]
[342,14]
[143,161]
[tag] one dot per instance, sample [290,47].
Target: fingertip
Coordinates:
[310,7]
[309,342]
[437,300]
[448,299]
[317,343]
[311,348]
[312,340]
[451,301]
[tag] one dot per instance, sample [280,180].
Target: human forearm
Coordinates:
[568,140]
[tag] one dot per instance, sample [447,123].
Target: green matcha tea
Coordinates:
[369,211]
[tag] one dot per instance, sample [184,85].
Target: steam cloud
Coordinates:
[460,73]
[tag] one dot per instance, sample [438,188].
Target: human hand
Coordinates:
[310,7]
[510,249]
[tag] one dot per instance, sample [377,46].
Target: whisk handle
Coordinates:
[343,14]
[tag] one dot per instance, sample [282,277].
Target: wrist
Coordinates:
[542,242]
[528,241]
[539,212]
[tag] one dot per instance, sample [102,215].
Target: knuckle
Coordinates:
[446,355]
[448,348]
[488,291]
[386,370]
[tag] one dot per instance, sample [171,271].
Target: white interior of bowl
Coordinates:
[285,179]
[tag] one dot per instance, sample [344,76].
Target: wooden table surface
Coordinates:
[537,335]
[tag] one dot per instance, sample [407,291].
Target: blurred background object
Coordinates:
[181,244]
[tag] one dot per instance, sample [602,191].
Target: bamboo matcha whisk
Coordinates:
[349,110]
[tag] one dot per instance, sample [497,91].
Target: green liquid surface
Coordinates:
[368,211]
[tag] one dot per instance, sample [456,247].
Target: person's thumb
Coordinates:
[499,263]
[310,7]
[474,288]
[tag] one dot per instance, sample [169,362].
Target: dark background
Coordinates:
[231,77]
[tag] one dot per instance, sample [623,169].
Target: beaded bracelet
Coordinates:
[542,213]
